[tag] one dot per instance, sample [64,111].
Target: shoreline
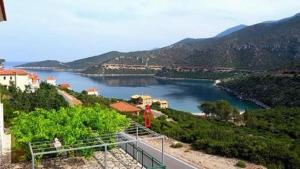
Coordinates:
[179,78]
[114,75]
[77,71]
[257,102]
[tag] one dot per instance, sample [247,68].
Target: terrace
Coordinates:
[113,150]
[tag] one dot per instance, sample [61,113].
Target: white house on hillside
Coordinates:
[92,91]
[51,80]
[19,78]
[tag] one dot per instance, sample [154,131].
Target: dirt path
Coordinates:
[73,101]
[199,159]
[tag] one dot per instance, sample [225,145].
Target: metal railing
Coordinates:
[144,158]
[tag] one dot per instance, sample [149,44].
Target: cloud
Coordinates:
[69,29]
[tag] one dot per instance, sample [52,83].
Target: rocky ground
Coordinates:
[199,159]
[116,159]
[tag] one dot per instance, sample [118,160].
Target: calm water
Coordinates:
[183,95]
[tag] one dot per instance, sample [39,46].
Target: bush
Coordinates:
[241,164]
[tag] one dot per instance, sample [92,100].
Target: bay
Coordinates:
[183,95]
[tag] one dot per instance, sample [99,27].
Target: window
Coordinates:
[10,78]
[4,77]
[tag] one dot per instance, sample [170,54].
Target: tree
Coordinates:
[207,108]
[220,110]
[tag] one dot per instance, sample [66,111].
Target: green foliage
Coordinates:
[241,164]
[45,97]
[271,90]
[281,121]
[67,124]
[90,100]
[220,110]
[197,74]
[256,142]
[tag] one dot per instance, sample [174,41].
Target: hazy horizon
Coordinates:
[67,30]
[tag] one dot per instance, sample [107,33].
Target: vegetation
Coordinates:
[241,164]
[220,110]
[271,90]
[100,70]
[197,75]
[270,137]
[67,124]
[45,97]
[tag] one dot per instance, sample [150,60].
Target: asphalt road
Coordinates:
[170,161]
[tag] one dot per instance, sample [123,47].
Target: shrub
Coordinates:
[241,164]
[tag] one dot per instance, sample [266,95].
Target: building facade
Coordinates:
[92,91]
[51,80]
[20,78]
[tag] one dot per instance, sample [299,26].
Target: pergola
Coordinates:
[129,140]
[2,11]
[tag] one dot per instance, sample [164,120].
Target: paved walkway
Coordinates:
[73,101]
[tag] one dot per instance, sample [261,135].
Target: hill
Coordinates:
[230,30]
[46,63]
[263,46]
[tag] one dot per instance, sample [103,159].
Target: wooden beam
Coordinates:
[2,10]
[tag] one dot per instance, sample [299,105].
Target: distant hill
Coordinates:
[230,30]
[263,46]
[46,63]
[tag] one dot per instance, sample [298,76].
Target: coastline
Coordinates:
[257,102]
[114,75]
[178,78]
[77,71]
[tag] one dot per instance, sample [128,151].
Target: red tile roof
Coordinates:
[50,78]
[64,86]
[34,77]
[91,90]
[13,72]
[124,107]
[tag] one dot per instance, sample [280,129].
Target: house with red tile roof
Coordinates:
[35,80]
[64,86]
[51,80]
[125,107]
[18,77]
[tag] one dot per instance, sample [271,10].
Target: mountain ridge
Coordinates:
[262,46]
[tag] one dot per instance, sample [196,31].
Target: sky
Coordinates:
[67,30]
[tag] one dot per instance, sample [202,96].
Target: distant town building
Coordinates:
[51,80]
[142,100]
[92,91]
[125,107]
[65,86]
[163,104]
[20,78]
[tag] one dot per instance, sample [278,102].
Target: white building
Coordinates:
[19,78]
[142,100]
[92,91]
[163,104]
[35,81]
[51,80]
